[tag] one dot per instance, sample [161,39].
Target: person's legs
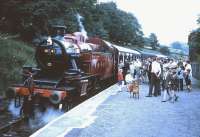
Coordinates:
[181,84]
[120,83]
[151,84]
[157,86]
[178,85]
[164,99]
[189,85]
[149,76]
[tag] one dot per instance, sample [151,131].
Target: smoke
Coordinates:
[14,110]
[50,115]
[82,28]
[42,119]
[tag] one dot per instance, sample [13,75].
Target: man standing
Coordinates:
[155,78]
[188,75]
[149,63]
[132,69]
[125,68]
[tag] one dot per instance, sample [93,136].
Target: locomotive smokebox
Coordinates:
[58,55]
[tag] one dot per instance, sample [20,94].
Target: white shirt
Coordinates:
[188,66]
[129,78]
[155,68]
[138,64]
[173,65]
[165,71]
[132,68]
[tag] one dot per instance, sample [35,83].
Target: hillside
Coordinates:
[181,46]
[13,55]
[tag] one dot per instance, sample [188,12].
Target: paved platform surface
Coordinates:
[115,114]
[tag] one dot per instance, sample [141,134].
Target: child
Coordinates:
[120,79]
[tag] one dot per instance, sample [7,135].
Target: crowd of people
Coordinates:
[167,75]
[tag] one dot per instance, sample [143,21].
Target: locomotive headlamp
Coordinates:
[49,64]
[46,50]
[52,51]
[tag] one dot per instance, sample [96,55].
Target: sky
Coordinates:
[170,20]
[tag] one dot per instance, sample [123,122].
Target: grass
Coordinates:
[13,56]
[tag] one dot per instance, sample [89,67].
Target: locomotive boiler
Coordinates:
[69,66]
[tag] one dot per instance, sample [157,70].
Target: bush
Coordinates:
[13,56]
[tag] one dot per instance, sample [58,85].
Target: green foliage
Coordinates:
[180,46]
[194,44]
[122,27]
[13,56]
[164,50]
[153,41]
[33,18]
[30,17]
[176,45]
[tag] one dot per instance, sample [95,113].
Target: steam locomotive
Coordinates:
[69,66]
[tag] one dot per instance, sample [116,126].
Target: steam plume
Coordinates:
[82,28]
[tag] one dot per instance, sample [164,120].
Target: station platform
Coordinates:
[114,114]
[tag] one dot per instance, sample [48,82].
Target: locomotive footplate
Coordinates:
[58,93]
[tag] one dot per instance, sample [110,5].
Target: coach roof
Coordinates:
[127,50]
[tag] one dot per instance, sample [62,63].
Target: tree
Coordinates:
[30,17]
[34,18]
[176,45]
[153,41]
[164,50]
[194,45]
[122,27]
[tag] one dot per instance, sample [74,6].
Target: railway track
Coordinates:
[5,128]
[7,119]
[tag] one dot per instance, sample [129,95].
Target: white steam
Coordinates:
[82,28]
[50,114]
[14,110]
[42,119]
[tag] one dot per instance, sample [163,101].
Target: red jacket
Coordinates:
[120,76]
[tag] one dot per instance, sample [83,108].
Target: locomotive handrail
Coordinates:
[48,88]
[45,82]
[79,78]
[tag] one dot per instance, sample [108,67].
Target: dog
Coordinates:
[133,88]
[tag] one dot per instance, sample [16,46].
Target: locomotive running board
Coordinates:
[46,82]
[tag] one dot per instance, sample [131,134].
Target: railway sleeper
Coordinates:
[11,125]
